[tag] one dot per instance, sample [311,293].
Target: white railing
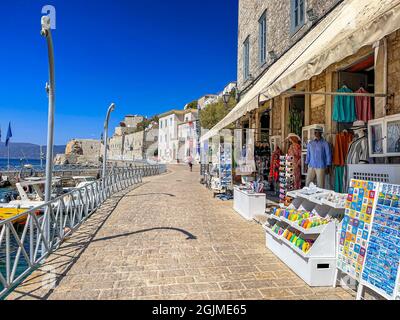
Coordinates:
[28,239]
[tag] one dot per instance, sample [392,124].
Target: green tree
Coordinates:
[192,105]
[215,112]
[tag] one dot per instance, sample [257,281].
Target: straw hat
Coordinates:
[359,124]
[293,135]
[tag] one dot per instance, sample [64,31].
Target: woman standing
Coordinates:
[295,152]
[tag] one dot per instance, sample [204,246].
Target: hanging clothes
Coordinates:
[275,164]
[295,152]
[342,143]
[341,149]
[339,181]
[344,109]
[363,107]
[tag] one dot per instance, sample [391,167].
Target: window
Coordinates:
[246,58]
[170,121]
[297,14]
[263,38]
[160,124]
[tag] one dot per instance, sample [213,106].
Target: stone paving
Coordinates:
[168,239]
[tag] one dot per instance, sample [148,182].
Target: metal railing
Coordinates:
[28,239]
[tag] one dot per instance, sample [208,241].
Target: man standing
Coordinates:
[319,159]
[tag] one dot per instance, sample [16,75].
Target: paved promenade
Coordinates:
[168,239]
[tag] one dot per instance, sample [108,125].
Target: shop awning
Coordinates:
[349,27]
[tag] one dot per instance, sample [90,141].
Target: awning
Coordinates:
[350,26]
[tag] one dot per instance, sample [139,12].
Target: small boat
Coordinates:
[30,196]
[8,213]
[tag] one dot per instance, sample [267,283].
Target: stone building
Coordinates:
[294,56]
[129,144]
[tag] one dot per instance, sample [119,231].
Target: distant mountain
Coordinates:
[26,150]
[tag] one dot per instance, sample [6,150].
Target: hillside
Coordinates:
[26,150]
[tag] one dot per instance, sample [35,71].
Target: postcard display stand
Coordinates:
[317,265]
[369,245]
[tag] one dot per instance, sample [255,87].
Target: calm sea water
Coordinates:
[18,163]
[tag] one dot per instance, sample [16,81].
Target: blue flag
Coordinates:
[9,134]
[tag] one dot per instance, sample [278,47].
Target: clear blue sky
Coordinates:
[146,56]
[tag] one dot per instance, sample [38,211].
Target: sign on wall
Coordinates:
[381,269]
[356,227]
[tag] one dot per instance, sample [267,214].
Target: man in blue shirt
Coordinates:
[319,159]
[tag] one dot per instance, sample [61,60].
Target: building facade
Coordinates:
[268,29]
[175,137]
[129,144]
[298,58]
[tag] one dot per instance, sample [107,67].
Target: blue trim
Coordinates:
[293,27]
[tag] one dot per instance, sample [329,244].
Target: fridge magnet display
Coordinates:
[356,227]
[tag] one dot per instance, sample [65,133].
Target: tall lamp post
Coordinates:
[105,135]
[50,88]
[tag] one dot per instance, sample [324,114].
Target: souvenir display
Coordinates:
[356,227]
[225,165]
[381,267]
[282,178]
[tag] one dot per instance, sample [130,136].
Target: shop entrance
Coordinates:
[359,78]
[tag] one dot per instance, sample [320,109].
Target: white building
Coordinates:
[189,136]
[176,135]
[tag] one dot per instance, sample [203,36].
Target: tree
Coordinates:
[215,112]
[192,105]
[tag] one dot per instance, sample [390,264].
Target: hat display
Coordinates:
[293,135]
[359,124]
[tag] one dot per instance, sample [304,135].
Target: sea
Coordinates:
[16,164]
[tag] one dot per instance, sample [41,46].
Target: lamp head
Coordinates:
[112,107]
[46,25]
[226,97]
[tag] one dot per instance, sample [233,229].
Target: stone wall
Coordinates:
[279,35]
[317,103]
[394,72]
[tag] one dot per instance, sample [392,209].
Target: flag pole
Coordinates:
[8,161]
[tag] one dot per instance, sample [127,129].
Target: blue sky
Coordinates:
[146,56]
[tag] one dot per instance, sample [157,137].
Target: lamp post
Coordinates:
[50,88]
[105,135]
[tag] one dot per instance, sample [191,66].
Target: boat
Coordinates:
[30,196]
[8,213]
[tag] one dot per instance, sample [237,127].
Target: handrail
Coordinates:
[45,227]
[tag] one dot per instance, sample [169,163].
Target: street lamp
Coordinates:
[226,97]
[50,88]
[105,137]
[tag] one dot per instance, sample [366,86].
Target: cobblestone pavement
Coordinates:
[168,239]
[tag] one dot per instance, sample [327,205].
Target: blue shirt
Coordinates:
[319,154]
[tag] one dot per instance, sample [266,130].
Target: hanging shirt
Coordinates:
[363,107]
[342,142]
[319,154]
[344,108]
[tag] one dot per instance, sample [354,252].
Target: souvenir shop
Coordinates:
[334,144]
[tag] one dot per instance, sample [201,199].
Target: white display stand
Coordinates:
[317,267]
[249,205]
